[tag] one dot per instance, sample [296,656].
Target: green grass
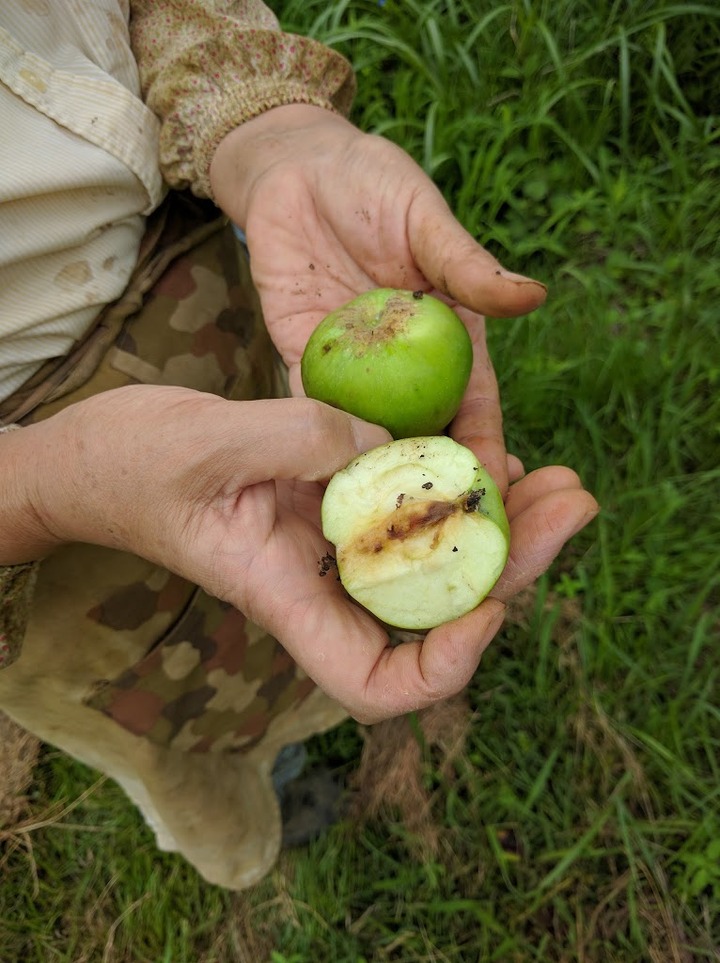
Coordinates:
[580,142]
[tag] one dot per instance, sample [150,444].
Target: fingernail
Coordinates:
[368,436]
[519,278]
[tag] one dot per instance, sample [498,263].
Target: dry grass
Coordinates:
[18,755]
[393,764]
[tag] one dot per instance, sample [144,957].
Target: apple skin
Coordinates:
[400,359]
[420,531]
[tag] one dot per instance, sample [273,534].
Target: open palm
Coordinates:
[330,212]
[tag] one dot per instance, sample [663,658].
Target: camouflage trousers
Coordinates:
[128,667]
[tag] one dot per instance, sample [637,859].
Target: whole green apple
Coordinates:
[420,531]
[400,359]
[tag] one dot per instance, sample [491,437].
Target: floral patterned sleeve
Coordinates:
[207,66]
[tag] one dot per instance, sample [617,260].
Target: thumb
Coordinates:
[298,438]
[462,269]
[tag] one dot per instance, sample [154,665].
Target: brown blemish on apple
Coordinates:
[418,517]
[473,500]
[386,325]
[410,520]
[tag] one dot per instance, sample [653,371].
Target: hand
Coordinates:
[227,494]
[350,655]
[330,212]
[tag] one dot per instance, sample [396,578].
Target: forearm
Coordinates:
[65,480]
[207,67]
[23,535]
[90,473]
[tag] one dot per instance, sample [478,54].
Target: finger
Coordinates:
[388,681]
[538,535]
[540,482]
[478,423]
[417,674]
[515,468]
[460,267]
[346,651]
[295,381]
[303,439]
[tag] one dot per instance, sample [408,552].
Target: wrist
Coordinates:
[94,467]
[247,152]
[61,481]
[24,536]
[123,469]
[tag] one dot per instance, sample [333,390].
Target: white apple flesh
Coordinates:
[419,529]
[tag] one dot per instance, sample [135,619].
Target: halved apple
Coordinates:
[420,531]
